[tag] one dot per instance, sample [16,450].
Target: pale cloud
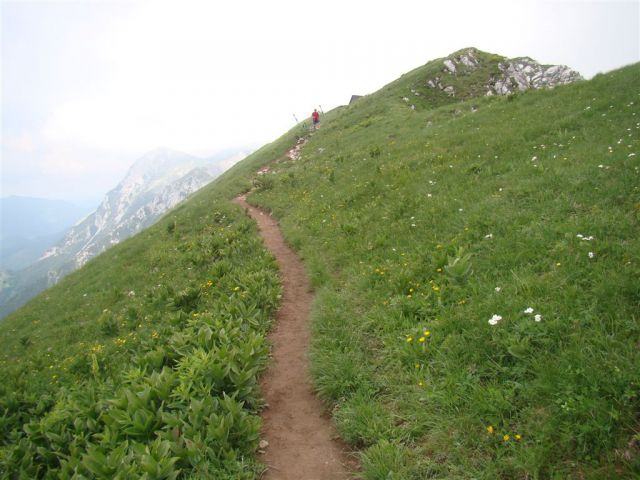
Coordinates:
[180,77]
[104,82]
[22,143]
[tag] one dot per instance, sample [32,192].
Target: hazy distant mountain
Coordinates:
[153,185]
[29,226]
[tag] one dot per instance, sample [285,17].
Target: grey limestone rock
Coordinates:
[516,74]
[525,73]
[469,60]
[450,65]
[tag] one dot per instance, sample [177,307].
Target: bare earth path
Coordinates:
[302,442]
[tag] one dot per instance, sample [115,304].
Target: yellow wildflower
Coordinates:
[506,438]
[409,339]
[421,339]
[490,429]
[518,437]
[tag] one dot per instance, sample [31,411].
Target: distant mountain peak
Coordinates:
[155,183]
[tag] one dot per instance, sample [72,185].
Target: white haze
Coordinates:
[90,86]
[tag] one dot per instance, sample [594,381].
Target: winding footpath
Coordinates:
[302,444]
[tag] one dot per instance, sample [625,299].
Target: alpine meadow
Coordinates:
[476,266]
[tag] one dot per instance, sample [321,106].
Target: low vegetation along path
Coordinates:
[302,442]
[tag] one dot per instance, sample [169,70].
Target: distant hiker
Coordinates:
[315,116]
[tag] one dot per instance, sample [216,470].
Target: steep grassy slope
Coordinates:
[478,279]
[144,363]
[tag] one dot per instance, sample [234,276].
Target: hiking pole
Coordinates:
[321,111]
[295,118]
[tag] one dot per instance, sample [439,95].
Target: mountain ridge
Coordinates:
[29,225]
[154,184]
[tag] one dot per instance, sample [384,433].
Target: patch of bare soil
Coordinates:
[302,443]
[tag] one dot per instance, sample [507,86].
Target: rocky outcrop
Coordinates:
[524,73]
[516,74]
[437,83]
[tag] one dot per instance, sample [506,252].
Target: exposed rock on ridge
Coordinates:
[515,74]
[524,73]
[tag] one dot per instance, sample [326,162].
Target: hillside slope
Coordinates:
[476,266]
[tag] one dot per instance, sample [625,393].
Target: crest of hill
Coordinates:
[471,73]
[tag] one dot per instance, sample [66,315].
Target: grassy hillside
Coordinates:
[476,315]
[478,279]
[144,363]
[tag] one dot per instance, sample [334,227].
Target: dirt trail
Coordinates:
[302,442]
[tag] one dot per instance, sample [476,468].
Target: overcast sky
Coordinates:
[90,86]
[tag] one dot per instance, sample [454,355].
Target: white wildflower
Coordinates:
[538,317]
[490,235]
[497,289]
[495,319]
[528,310]
[591,254]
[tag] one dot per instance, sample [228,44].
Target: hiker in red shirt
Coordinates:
[315,116]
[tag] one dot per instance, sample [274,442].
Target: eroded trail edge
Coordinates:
[302,441]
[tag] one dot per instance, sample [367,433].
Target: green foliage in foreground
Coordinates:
[478,279]
[144,363]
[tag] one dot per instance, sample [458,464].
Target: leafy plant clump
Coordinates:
[163,383]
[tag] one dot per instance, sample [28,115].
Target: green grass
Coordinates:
[437,219]
[144,363]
